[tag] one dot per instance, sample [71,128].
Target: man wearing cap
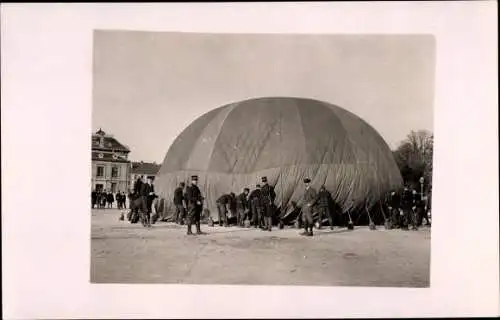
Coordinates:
[148,195]
[138,186]
[418,204]
[268,196]
[394,203]
[309,200]
[180,211]
[194,201]
[242,206]
[324,201]
[407,204]
[256,206]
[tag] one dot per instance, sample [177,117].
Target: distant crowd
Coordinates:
[102,199]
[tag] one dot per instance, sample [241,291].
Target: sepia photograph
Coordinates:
[183,160]
[262,159]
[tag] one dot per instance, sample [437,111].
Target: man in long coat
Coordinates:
[180,210]
[194,200]
[138,186]
[256,207]
[408,206]
[324,204]
[394,203]
[268,197]
[148,195]
[93,197]
[309,201]
[242,206]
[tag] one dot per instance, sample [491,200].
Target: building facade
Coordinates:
[145,169]
[110,164]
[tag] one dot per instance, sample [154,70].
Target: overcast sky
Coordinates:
[149,86]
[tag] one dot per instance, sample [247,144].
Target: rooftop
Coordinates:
[109,143]
[146,168]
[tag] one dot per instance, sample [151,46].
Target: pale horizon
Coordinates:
[159,82]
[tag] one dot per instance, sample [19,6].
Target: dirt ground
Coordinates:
[129,253]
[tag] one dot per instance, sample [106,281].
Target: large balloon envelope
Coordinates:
[286,140]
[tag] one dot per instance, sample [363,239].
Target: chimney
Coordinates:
[101,137]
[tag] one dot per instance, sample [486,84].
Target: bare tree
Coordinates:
[414,156]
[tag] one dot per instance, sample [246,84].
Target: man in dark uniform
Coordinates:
[104,196]
[255,199]
[394,202]
[111,199]
[324,201]
[310,199]
[428,212]
[148,195]
[93,197]
[232,212]
[407,204]
[180,211]
[268,196]
[118,199]
[242,206]
[417,201]
[138,186]
[194,201]
[222,204]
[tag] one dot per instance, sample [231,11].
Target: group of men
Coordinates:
[142,199]
[100,199]
[257,209]
[188,203]
[254,208]
[408,207]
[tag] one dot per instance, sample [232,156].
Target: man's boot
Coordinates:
[198,228]
[189,232]
[305,232]
[310,233]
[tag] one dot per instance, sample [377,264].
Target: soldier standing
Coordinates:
[124,199]
[93,197]
[118,199]
[310,198]
[324,201]
[242,206]
[111,199]
[148,195]
[268,196]
[222,204]
[394,203]
[180,211]
[417,201]
[428,212]
[103,199]
[194,200]
[407,204]
[138,186]
[256,206]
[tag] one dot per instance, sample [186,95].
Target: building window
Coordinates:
[152,178]
[100,171]
[100,155]
[114,172]
[98,187]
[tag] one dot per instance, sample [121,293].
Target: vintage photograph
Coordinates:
[262,159]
